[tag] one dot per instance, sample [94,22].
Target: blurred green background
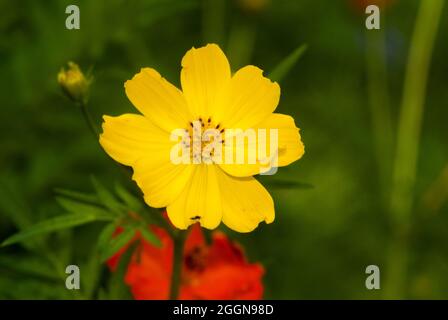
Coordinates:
[325,235]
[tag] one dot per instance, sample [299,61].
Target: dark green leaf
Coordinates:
[28,265]
[117,286]
[80,196]
[106,235]
[117,242]
[285,66]
[129,199]
[107,198]
[92,270]
[75,207]
[14,205]
[50,225]
[149,236]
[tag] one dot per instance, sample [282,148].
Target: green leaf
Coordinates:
[129,199]
[14,205]
[118,290]
[117,242]
[149,236]
[50,225]
[107,198]
[29,266]
[285,66]
[75,195]
[91,278]
[106,235]
[75,207]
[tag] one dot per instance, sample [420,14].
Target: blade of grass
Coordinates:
[51,225]
[286,65]
[408,138]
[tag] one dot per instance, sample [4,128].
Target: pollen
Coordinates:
[199,134]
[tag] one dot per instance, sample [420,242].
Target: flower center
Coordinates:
[204,139]
[196,258]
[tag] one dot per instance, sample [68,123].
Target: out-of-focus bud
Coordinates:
[74,84]
[253,6]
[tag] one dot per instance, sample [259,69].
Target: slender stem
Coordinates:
[179,242]
[91,124]
[379,103]
[408,136]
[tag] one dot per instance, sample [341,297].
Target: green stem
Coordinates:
[179,242]
[91,124]
[379,103]
[408,136]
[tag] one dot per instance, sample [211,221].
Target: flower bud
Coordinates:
[74,84]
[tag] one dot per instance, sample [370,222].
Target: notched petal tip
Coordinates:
[146,71]
[270,219]
[106,121]
[260,72]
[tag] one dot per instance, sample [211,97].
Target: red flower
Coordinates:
[216,271]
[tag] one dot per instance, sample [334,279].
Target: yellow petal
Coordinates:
[205,76]
[158,100]
[251,162]
[252,98]
[245,203]
[290,144]
[199,201]
[134,141]
[290,147]
[160,180]
[128,137]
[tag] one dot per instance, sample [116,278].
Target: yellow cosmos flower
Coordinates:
[205,192]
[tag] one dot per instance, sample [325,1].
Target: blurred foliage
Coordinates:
[331,220]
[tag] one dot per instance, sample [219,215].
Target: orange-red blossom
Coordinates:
[210,271]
